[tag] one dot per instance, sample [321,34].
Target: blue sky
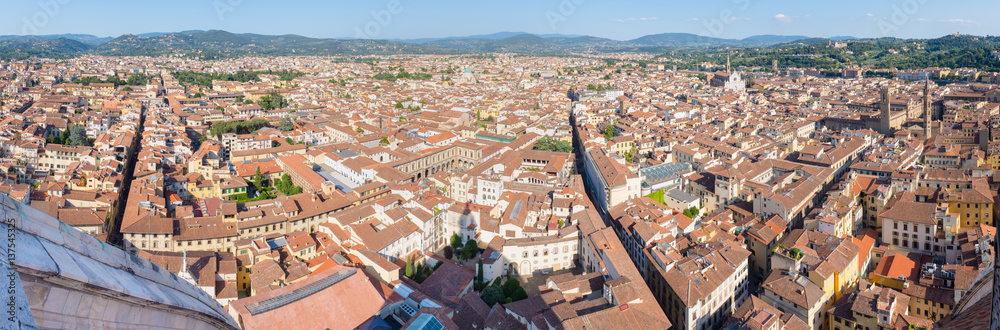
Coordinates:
[620,20]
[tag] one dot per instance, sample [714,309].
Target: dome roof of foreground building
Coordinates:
[63,278]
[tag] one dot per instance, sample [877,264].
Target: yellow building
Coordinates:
[829,262]
[974,205]
[923,307]
[872,307]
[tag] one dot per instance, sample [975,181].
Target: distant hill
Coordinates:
[20,49]
[768,39]
[84,38]
[758,51]
[215,43]
[531,44]
[681,40]
[492,36]
[842,38]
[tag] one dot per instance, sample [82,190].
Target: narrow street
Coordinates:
[117,213]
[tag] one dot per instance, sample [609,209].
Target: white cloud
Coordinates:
[922,20]
[631,19]
[958,21]
[870,15]
[782,18]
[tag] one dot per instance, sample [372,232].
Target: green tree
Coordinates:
[419,273]
[692,212]
[64,137]
[409,267]
[493,295]
[511,286]
[286,182]
[470,249]
[519,294]
[383,140]
[479,276]
[609,131]
[272,100]
[359,129]
[286,124]
[258,179]
[289,140]
[77,135]
[456,242]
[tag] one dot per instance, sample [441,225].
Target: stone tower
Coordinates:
[927,106]
[885,113]
[728,69]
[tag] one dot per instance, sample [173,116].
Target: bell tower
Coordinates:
[928,116]
[885,113]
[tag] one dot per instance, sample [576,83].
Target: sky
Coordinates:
[406,19]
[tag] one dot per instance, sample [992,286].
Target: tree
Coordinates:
[286,124]
[479,276]
[518,294]
[287,180]
[493,295]
[511,286]
[258,179]
[456,242]
[409,267]
[609,131]
[550,144]
[420,273]
[470,249]
[449,252]
[77,135]
[64,137]
[383,140]
[289,140]
[692,212]
[238,127]
[359,129]
[272,100]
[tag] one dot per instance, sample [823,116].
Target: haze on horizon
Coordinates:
[407,19]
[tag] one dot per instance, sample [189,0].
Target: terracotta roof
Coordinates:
[346,304]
